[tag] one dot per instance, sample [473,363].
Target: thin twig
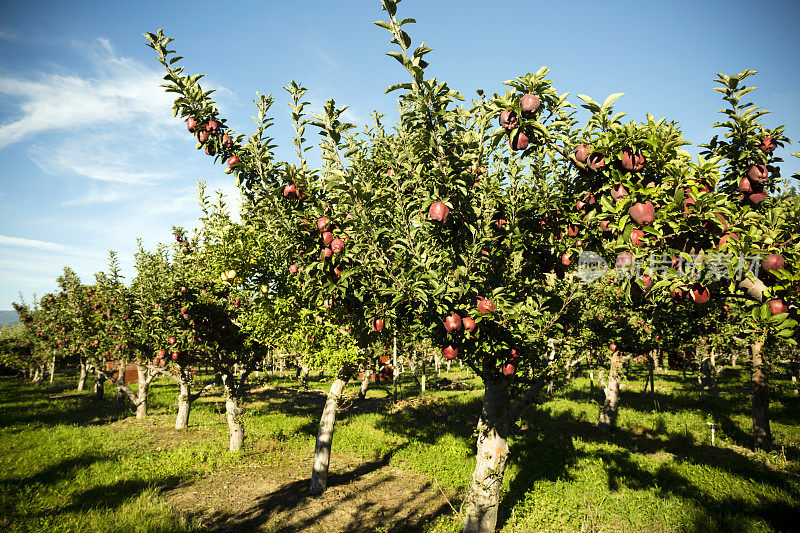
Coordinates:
[458,513]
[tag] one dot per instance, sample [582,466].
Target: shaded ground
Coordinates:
[369,496]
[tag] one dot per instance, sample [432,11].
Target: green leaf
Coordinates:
[611,99]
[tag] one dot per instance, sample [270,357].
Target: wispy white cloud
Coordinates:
[100,196]
[47,246]
[103,156]
[122,92]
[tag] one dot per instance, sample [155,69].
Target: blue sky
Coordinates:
[92,158]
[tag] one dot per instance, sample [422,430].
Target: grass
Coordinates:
[70,463]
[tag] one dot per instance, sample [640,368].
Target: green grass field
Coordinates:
[70,463]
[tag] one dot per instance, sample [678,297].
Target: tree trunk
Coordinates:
[53,368]
[422,379]
[233,412]
[322,449]
[659,362]
[608,412]
[762,436]
[483,499]
[794,368]
[99,385]
[394,369]
[362,393]
[184,406]
[712,361]
[82,378]
[303,377]
[121,366]
[144,386]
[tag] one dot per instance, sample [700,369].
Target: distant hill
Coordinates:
[8,317]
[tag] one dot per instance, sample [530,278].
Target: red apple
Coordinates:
[625,259]
[528,104]
[636,235]
[768,145]
[162,363]
[758,173]
[233,161]
[596,161]
[777,307]
[469,324]
[172,340]
[337,245]
[582,153]
[323,224]
[773,262]
[212,126]
[508,119]
[643,213]
[175,356]
[613,347]
[450,351]
[604,225]
[439,211]
[325,253]
[377,324]
[727,238]
[565,260]
[509,369]
[619,192]
[631,161]
[227,141]
[756,198]
[290,189]
[703,342]
[202,136]
[745,186]
[700,294]
[327,238]
[519,141]
[452,323]
[191,124]
[485,306]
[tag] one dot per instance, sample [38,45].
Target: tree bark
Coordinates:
[762,436]
[483,499]
[608,412]
[184,406]
[233,413]
[99,385]
[144,386]
[121,366]
[82,377]
[322,449]
[362,393]
[303,377]
[422,378]
[53,368]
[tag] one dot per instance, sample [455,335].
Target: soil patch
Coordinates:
[273,496]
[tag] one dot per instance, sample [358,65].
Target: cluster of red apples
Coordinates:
[210,135]
[752,186]
[509,120]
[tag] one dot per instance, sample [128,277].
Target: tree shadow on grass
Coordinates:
[549,454]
